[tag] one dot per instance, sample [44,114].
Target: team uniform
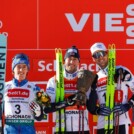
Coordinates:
[101,93]
[72,113]
[18,118]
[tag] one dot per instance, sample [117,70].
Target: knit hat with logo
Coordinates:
[73,51]
[20,59]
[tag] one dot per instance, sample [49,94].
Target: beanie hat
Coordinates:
[97,46]
[73,51]
[20,59]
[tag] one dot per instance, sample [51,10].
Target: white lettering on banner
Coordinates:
[130,29]
[80,25]
[110,22]
[74,25]
[48,67]
[91,67]
[43,66]
[96,20]
[113,22]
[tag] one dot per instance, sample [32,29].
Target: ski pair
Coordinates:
[60,115]
[3,53]
[110,89]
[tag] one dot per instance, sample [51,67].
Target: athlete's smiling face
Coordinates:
[71,64]
[101,58]
[20,72]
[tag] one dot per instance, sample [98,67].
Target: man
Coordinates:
[19,92]
[74,122]
[100,57]
[21,97]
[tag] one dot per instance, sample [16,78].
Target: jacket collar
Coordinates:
[19,83]
[105,70]
[70,76]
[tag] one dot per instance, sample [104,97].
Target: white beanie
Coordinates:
[97,46]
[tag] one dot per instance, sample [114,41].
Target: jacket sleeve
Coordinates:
[92,101]
[55,106]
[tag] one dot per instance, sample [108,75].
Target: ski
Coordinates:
[110,88]
[118,97]
[3,53]
[60,115]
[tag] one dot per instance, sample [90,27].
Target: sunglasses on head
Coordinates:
[99,54]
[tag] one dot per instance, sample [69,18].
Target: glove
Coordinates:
[124,74]
[71,100]
[81,98]
[78,98]
[35,108]
[104,111]
[121,108]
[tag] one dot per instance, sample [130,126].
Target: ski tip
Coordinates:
[58,50]
[111,46]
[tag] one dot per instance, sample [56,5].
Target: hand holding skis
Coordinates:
[71,100]
[121,108]
[78,98]
[104,111]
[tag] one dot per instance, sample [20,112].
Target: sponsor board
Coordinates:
[51,24]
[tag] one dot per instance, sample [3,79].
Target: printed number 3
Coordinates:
[17,109]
